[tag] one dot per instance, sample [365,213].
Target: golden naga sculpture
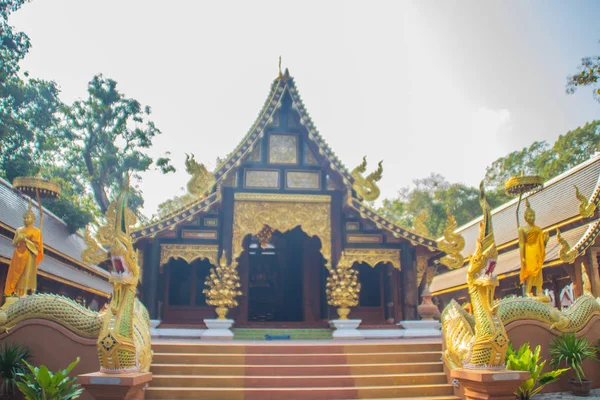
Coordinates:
[586,209]
[342,287]
[452,244]
[223,283]
[419,224]
[124,337]
[532,247]
[478,341]
[202,180]
[28,253]
[123,331]
[367,187]
[566,254]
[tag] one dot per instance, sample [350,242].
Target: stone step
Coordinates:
[320,381]
[296,358]
[296,370]
[303,393]
[306,348]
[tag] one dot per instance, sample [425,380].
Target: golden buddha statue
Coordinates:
[29,252]
[532,246]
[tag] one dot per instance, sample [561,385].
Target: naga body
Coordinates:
[123,330]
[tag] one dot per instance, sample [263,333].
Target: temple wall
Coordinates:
[538,333]
[55,346]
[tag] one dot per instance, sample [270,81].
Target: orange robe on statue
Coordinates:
[29,252]
[535,252]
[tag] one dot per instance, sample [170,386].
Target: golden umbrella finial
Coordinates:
[38,187]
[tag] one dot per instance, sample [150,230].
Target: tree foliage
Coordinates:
[544,160]
[435,194]
[588,75]
[106,137]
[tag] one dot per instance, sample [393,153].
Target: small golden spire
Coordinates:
[280,73]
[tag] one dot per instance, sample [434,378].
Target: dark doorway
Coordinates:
[276,278]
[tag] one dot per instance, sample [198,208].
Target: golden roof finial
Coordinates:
[280,73]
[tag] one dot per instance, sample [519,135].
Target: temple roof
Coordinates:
[281,85]
[56,238]
[555,206]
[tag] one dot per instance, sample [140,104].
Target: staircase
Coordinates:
[298,371]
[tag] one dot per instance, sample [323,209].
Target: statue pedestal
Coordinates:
[218,329]
[115,386]
[346,328]
[419,329]
[489,384]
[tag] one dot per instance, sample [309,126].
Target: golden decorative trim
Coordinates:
[422,262]
[188,252]
[366,238]
[198,234]
[70,283]
[371,257]
[31,185]
[252,211]
[283,198]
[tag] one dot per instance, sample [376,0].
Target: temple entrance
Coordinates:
[283,278]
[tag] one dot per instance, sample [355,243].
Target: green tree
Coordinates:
[27,106]
[174,204]
[540,159]
[106,137]
[435,194]
[588,75]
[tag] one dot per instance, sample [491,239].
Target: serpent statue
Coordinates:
[123,330]
[367,187]
[479,341]
[202,181]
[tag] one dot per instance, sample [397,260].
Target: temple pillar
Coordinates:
[408,276]
[593,272]
[150,271]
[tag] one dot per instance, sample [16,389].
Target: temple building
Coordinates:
[62,270]
[282,208]
[566,204]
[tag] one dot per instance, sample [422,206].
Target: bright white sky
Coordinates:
[444,86]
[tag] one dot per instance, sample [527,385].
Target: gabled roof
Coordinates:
[55,233]
[555,205]
[282,84]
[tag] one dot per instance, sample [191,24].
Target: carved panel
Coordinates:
[352,226]
[364,238]
[309,156]
[211,221]
[371,257]
[303,180]
[190,234]
[265,179]
[282,212]
[255,154]
[283,149]
[188,253]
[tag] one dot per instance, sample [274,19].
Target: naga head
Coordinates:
[114,242]
[481,268]
[123,257]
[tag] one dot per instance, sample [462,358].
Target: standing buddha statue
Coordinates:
[532,246]
[28,253]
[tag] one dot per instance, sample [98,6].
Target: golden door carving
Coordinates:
[282,212]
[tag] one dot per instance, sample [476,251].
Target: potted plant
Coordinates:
[573,351]
[40,383]
[11,363]
[526,360]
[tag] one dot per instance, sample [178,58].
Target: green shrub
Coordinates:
[572,351]
[11,363]
[527,360]
[40,383]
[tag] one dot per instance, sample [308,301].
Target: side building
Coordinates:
[61,271]
[557,207]
[283,208]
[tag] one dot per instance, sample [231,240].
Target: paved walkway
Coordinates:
[594,394]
